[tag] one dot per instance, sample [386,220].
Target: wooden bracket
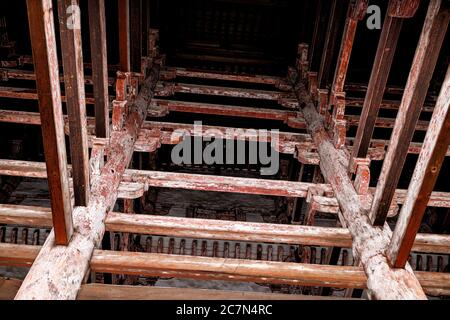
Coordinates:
[313,85]
[322,101]
[361,168]
[302,60]
[120,110]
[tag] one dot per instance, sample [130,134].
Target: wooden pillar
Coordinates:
[424,178]
[42,33]
[97,28]
[72,58]
[124,35]
[378,80]
[135,35]
[424,63]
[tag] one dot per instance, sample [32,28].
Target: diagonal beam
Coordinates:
[369,243]
[424,63]
[45,281]
[423,180]
[72,58]
[43,41]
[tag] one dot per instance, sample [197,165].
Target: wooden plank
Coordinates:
[169,89]
[45,281]
[172,72]
[423,66]
[204,268]
[99,58]
[423,180]
[377,84]
[108,292]
[217,230]
[124,35]
[72,58]
[369,243]
[42,33]
[9,288]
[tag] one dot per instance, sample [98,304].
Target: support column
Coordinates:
[72,58]
[43,42]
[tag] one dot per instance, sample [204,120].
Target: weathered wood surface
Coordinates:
[423,66]
[423,180]
[38,170]
[169,89]
[217,230]
[43,40]
[173,73]
[369,243]
[9,288]
[204,268]
[99,58]
[72,58]
[377,84]
[124,35]
[45,279]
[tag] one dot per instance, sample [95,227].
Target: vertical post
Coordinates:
[97,28]
[424,178]
[380,71]
[424,63]
[42,34]
[135,35]
[72,58]
[334,23]
[124,35]
[356,12]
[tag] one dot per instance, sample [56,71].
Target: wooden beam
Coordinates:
[124,35]
[43,41]
[45,279]
[217,230]
[424,63]
[369,243]
[135,35]
[72,57]
[203,268]
[423,180]
[170,179]
[337,11]
[169,89]
[99,59]
[377,84]
[9,288]
[356,11]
